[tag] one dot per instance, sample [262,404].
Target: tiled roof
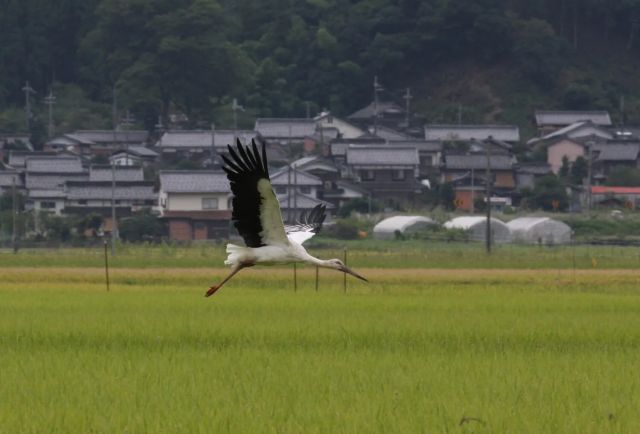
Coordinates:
[7,178]
[47,181]
[389,133]
[421,145]
[507,133]
[301,201]
[122,173]
[601,189]
[616,152]
[283,128]
[384,108]
[46,194]
[109,136]
[559,117]
[191,181]
[17,158]
[54,164]
[298,177]
[466,162]
[382,156]
[534,168]
[84,190]
[202,138]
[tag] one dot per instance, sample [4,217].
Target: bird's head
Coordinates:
[337,264]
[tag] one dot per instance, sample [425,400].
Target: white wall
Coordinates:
[191,201]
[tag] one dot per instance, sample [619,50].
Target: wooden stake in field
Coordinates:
[295,278]
[106,263]
[344,278]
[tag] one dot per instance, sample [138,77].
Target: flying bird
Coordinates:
[257,218]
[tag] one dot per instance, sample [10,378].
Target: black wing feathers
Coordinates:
[311,222]
[245,168]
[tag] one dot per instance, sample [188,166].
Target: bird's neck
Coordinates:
[319,262]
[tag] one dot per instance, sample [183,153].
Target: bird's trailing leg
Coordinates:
[235,269]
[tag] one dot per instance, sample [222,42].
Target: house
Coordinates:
[46,200]
[528,173]
[388,172]
[388,133]
[345,129]
[10,178]
[285,131]
[97,142]
[290,181]
[338,148]
[505,133]
[83,197]
[52,172]
[120,173]
[10,142]
[429,153]
[321,167]
[578,130]
[134,156]
[340,192]
[380,113]
[199,143]
[468,174]
[613,155]
[17,158]
[548,121]
[195,204]
[628,197]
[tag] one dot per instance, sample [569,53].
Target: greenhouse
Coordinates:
[387,228]
[539,230]
[476,226]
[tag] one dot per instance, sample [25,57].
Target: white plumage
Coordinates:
[257,217]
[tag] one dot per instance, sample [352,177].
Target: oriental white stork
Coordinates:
[256,216]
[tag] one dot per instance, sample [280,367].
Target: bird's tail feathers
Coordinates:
[236,254]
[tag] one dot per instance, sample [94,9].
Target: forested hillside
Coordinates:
[483,60]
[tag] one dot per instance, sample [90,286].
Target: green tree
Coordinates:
[623,177]
[549,194]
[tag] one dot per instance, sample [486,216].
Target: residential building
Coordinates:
[429,152]
[134,156]
[628,197]
[195,204]
[285,131]
[345,129]
[388,172]
[527,173]
[97,142]
[579,130]
[293,204]
[548,121]
[83,197]
[505,133]
[290,184]
[199,143]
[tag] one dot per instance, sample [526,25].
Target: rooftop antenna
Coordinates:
[376,89]
[28,90]
[407,97]
[235,107]
[50,100]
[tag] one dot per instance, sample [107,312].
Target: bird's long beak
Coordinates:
[348,270]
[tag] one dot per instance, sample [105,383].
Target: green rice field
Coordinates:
[433,349]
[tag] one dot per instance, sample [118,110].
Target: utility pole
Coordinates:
[488,194]
[235,107]
[407,97]
[289,177]
[28,90]
[114,225]
[376,88]
[14,215]
[473,192]
[50,100]
[127,122]
[308,107]
[589,174]
[213,144]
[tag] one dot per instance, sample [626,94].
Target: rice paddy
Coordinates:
[416,350]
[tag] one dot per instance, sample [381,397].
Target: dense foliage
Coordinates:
[490,60]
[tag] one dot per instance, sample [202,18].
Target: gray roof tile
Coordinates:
[54,164]
[382,156]
[507,133]
[188,181]
[122,173]
[618,152]
[283,128]
[478,162]
[103,191]
[202,138]
[565,117]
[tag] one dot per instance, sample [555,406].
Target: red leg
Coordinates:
[214,288]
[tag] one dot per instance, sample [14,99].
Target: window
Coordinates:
[82,202]
[281,190]
[209,203]
[398,175]
[305,190]
[47,205]
[426,161]
[367,175]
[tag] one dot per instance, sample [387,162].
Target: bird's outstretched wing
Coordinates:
[256,211]
[307,226]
